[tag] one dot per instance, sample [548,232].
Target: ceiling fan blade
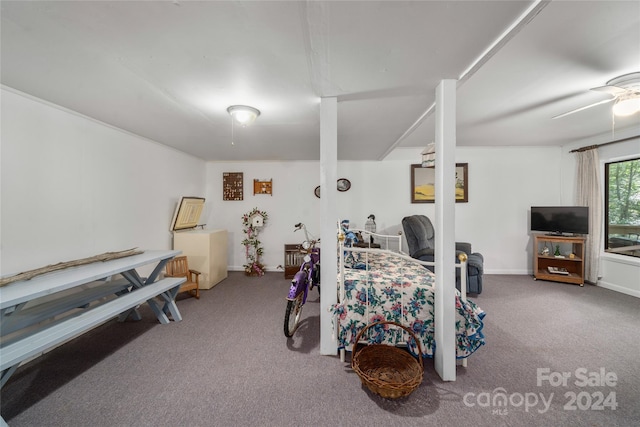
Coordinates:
[613,90]
[583,108]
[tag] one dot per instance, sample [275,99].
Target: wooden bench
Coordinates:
[37,312]
[30,345]
[46,311]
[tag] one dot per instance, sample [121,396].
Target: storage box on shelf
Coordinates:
[567,267]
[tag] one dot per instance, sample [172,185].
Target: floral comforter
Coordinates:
[396,289]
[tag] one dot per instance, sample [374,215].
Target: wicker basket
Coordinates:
[387,371]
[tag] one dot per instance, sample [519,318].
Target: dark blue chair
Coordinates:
[419,233]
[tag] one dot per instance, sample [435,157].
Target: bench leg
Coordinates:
[7,315]
[134,278]
[133,313]
[160,314]
[156,271]
[170,303]
[168,296]
[6,374]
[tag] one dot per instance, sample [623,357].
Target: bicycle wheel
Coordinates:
[292,315]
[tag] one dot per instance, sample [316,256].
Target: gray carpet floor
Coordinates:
[228,364]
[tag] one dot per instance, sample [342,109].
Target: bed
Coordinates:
[381,284]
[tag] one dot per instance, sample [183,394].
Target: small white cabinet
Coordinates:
[206,251]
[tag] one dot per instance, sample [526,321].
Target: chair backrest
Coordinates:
[419,233]
[178,267]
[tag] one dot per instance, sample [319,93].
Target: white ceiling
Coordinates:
[167,70]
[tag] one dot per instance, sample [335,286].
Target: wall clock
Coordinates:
[344,184]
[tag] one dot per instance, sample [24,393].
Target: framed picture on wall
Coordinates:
[232,185]
[423,182]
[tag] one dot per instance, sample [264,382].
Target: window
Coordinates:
[622,207]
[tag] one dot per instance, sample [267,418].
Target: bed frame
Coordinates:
[388,244]
[386,241]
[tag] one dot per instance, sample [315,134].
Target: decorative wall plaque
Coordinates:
[232,185]
[262,186]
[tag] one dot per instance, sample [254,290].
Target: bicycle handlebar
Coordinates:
[301,226]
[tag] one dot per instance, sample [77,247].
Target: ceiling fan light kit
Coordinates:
[243,114]
[627,106]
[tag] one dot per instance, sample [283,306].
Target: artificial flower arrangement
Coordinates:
[252,222]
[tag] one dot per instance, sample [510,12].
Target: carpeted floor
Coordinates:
[228,363]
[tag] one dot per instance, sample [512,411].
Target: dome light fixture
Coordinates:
[243,114]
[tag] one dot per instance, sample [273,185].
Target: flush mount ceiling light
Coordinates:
[243,114]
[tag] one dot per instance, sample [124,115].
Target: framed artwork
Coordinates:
[423,184]
[232,186]
[263,186]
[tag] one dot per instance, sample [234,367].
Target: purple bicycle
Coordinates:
[305,279]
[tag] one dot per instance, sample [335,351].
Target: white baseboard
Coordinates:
[266,268]
[276,269]
[610,286]
[504,272]
[617,288]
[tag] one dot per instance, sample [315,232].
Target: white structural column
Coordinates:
[445,171]
[328,219]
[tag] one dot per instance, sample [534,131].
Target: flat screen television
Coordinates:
[560,219]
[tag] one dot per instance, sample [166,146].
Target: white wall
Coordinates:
[73,187]
[292,201]
[503,184]
[617,272]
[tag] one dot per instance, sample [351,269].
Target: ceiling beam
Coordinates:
[527,16]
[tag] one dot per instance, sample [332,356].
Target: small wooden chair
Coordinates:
[179,267]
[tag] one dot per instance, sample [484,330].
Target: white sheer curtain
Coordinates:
[588,193]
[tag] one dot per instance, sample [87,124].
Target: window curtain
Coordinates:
[588,193]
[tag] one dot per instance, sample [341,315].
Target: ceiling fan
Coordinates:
[625,91]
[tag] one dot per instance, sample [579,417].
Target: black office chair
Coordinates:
[420,234]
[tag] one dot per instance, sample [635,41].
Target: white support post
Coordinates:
[328,219]
[445,169]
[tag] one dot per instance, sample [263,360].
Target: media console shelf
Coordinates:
[570,269]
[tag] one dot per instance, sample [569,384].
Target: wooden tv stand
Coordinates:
[573,267]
